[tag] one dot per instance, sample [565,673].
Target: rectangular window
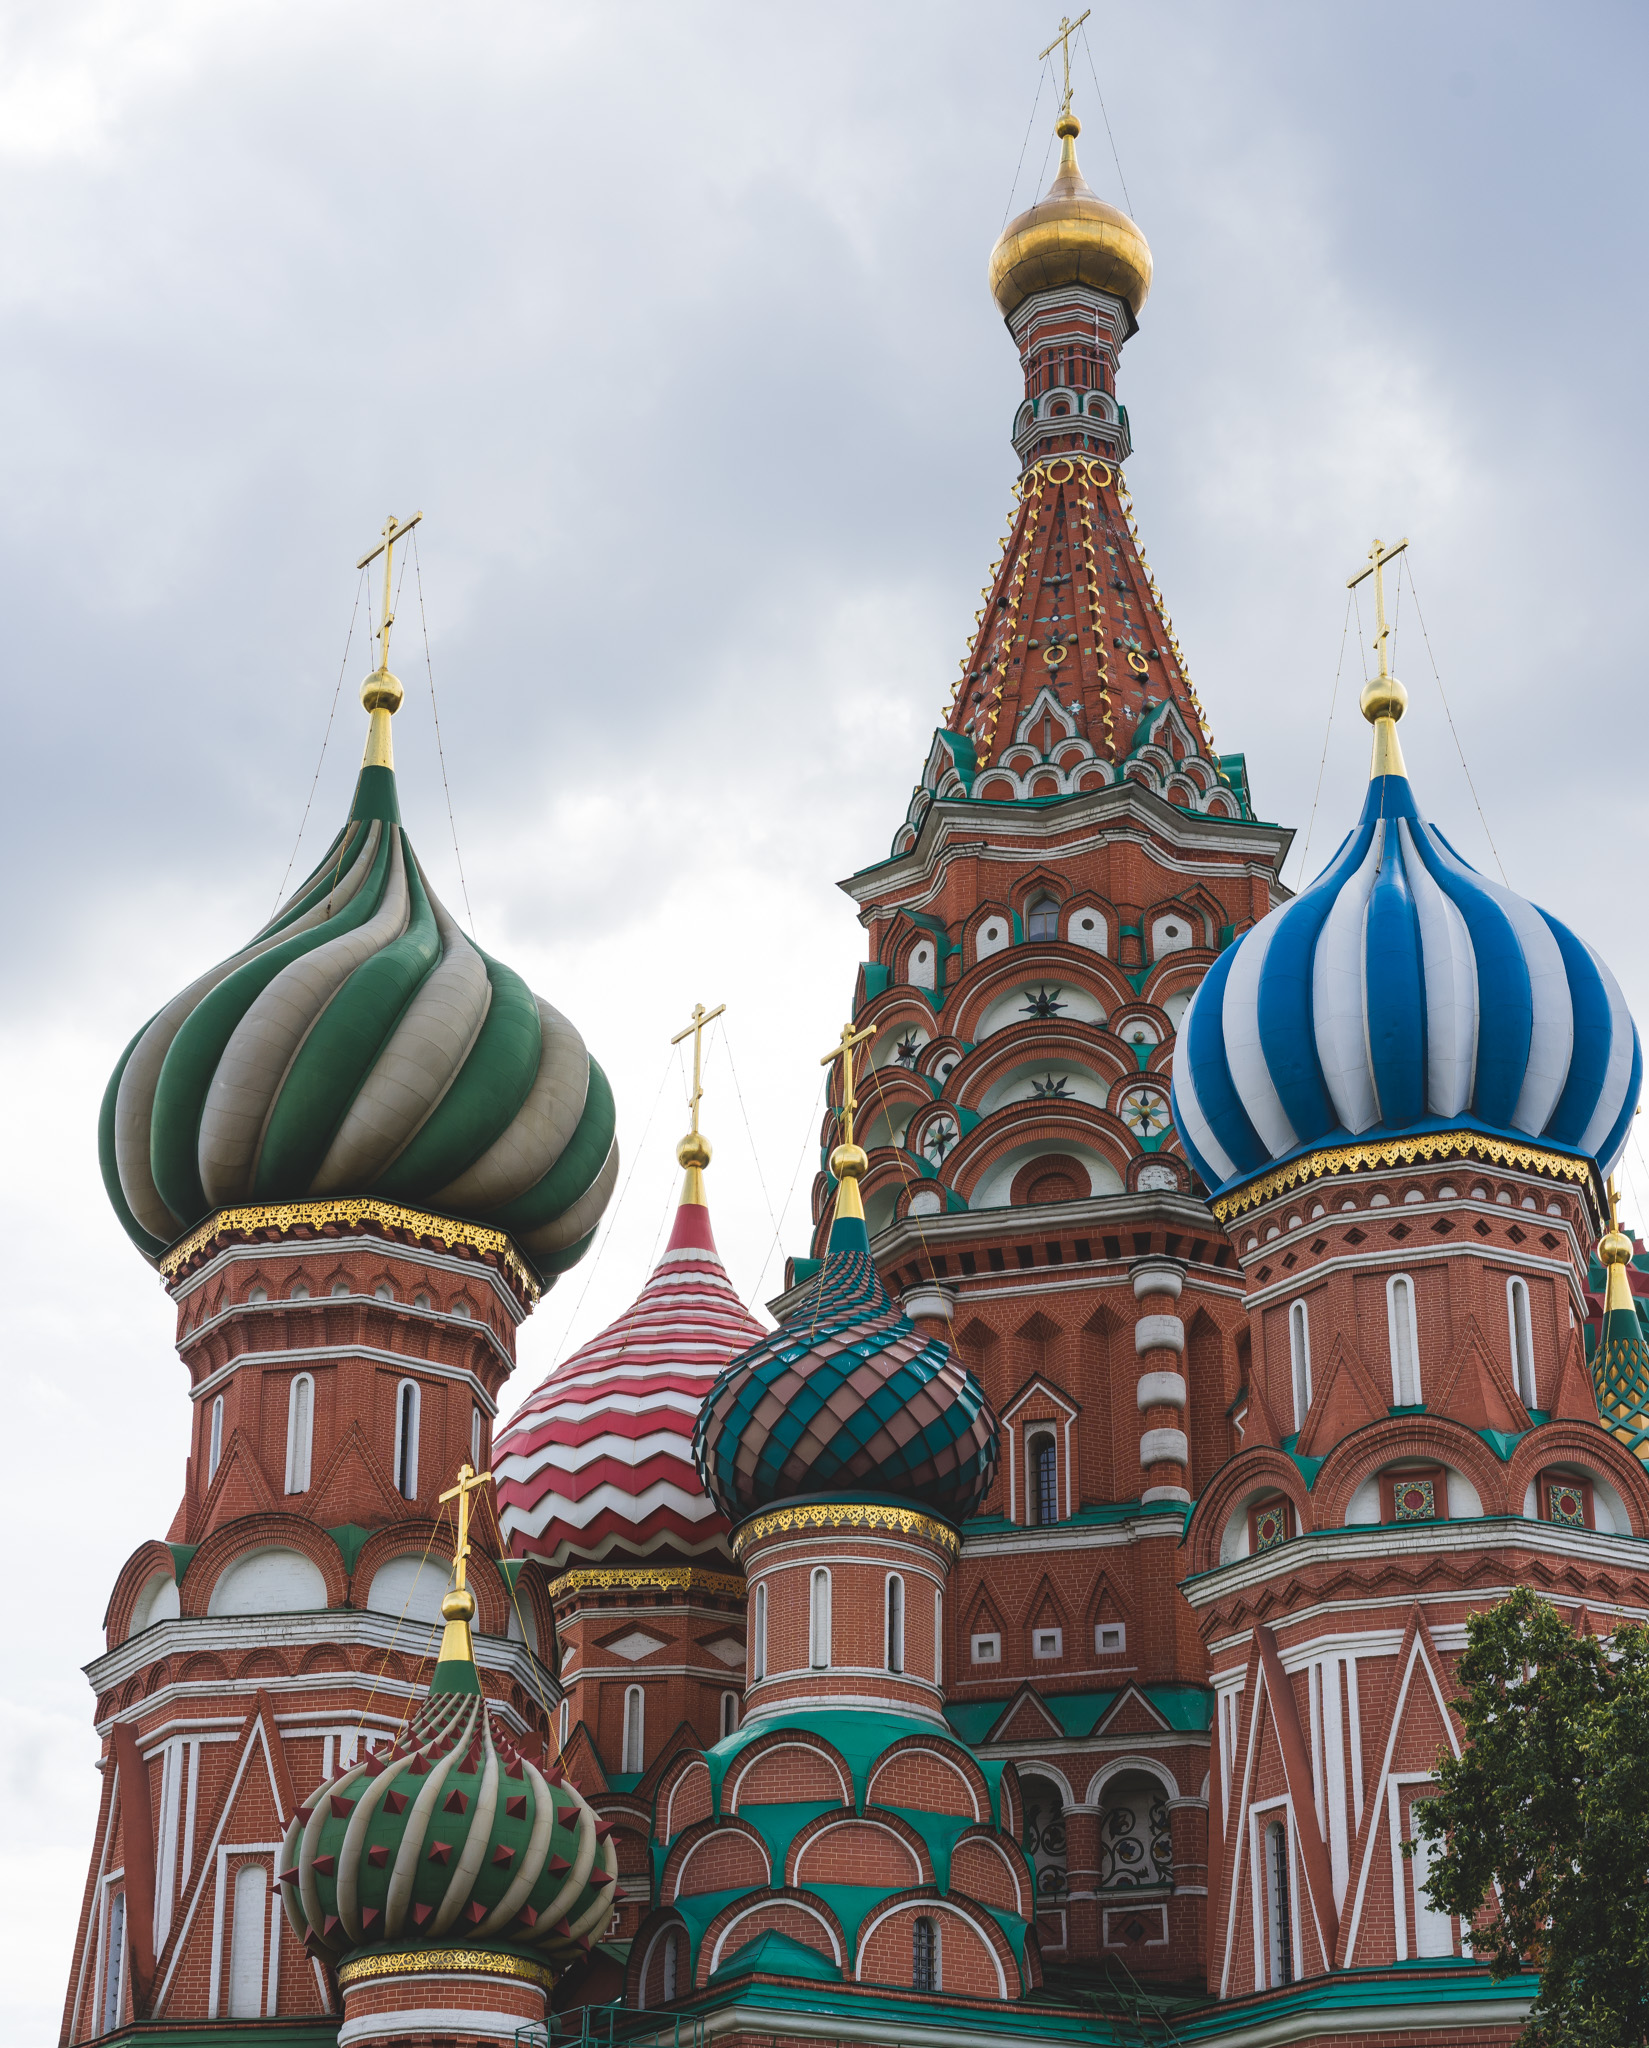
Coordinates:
[1110,1638]
[987,1649]
[1405,1342]
[635,1730]
[1279,1913]
[818,1633]
[114,1964]
[1299,1360]
[1048,1642]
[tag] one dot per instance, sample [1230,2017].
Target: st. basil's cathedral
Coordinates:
[1044,1632]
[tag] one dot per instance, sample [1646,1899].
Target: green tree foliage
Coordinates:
[1542,1825]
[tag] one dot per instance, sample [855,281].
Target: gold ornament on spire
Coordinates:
[1070,236]
[381,693]
[1384,700]
[1615,1254]
[848,1160]
[458,1606]
[693,1152]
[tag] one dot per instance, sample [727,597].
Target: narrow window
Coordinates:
[563,1723]
[1042,919]
[1299,1359]
[114,1964]
[938,1637]
[758,1649]
[672,1952]
[216,1451]
[1405,1346]
[895,1622]
[818,1632]
[1522,1334]
[1044,1487]
[339,1288]
[1277,1901]
[299,1292]
[246,1943]
[300,1432]
[729,1714]
[475,1438]
[258,1293]
[924,1955]
[407,1405]
[635,1725]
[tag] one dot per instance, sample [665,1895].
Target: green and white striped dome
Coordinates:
[361,1045]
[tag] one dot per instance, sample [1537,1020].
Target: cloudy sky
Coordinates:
[672,320]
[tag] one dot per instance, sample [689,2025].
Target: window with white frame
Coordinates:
[1042,1480]
[257,1293]
[924,1954]
[114,1964]
[1047,1642]
[635,1730]
[340,1289]
[300,1432]
[987,1649]
[1521,1325]
[758,1648]
[818,1621]
[475,1438]
[895,1622]
[1299,1360]
[215,1449]
[408,1403]
[564,1719]
[1110,1637]
[672,1964]
[938,1636]
[1404,1335]
[729,1714]
[1433,1929]
[246,1942]
[1278,1905]
[1042,919]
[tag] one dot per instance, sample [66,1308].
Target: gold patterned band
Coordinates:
[845,1515]
[285,1216]
[670,1578]
[433,1962]
[1427,1146]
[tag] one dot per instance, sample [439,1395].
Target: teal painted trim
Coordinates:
[336,1060]
[482,1102]
[1227,933]
[510,1570]
[973,1720]
[183,1555]
[848,1234]
[623,1781]
[1308,1467]
[375,796]
[351,1539]
[967,1120]
[955,1203]
[193,1056]
[322,2033]
[455,1674]
[1189,1709]
[1413,1408]
[1142,1056]
[804,1269]
[1018,935]
[109,1166]
[573,1173]
[777,1955]
[1137,981]
[1501,1443]
[877,976]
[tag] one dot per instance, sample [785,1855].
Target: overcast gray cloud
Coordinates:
[673,321]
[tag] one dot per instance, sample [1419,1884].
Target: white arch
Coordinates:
[748,1763]
[859,1820]
[990,1842]
[753,1838]
[1055,1776]
[932,1908]
[762,1905]
[921,1749]
[660,1933]
[1117,1765]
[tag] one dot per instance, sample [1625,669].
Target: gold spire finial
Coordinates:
[381,693]
[458,1606]
[1384,700]
[1615,1251]
[694,1150]
[1062,43]
[848,1160]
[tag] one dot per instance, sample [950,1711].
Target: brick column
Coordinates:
[1082,1882]
[1159,1345]
[930,1306]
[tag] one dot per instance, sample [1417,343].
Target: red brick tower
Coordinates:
[356,1152]
[1076,856]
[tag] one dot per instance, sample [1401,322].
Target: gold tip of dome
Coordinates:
[381,694]
[848,1162]
[1070,237]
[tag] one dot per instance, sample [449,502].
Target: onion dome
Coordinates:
[450,1836]
[1620,1367]
[847,1393]
[1402,992]
[361,1045]
[599,1459]
[1070,237]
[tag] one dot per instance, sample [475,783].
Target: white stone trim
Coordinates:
[1160,1446]
[1158,1280]
[1160,1390]
[434,2019]
[1158,1333]
[309,1355]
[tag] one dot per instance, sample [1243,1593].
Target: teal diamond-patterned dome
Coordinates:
[847,1393]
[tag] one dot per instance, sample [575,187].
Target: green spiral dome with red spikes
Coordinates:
[361,1045]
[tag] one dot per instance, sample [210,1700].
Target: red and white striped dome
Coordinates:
[597,1465]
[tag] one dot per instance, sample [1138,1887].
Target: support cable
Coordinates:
[440,751]
[1327,733]
[1449,715]
[337,688]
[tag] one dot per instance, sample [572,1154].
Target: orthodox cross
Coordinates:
[1062,43]
[394,530]
[468,1480]
[701,1017]
[843,1051]
[1378,556]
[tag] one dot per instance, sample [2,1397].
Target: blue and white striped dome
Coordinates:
[1402,992]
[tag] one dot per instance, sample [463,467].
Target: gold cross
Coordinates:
[843,1051]
[468,1480]
[1378,556]
[394,530]
[701,1017]
[1062,43]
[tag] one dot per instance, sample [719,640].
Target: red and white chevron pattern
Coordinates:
[597,1465]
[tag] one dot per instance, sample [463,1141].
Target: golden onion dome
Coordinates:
[1070,236]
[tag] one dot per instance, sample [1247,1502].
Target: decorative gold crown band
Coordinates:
[681,1577]
[285,1216]
[845,1515]
[429,1962]
[1429,1145]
